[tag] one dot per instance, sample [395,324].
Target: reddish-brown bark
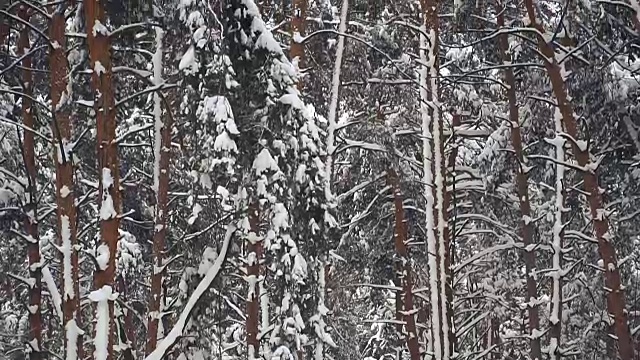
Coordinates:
[107,149]
[613,284]
[30,206]
[403,268]
[160,231]
[66,209]
[254,254]
[526,227]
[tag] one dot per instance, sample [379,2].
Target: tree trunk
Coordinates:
[108,170]
[435,187]
[254,254]
[555,317]
[125,324]
[30,206]
[162,154]
[403,267]
[298,21]
[614,290]
[526,227]
[65,198]
[4,30]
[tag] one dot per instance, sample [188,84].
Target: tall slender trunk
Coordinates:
[298,25]
[613,284]
[555,317]
[61,94]
[124,323]
[162,154]
[335,100]
[522,184]
[438,240]
[30,206]
[403,267]
[254,254]
[332,119]
[109,177]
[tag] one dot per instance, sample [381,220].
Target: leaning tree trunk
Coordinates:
[403,268]
[109,178]
[30,207]
[65,199]
[522,184]
[162,154]
[613,284]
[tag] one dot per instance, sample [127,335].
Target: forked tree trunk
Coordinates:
[522,184]
[613,284]
[298,21]
[162,154]
[30,206]
[254,255]
[109,177]
[65,198]
[403,268]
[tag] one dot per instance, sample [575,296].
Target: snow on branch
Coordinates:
[178,328]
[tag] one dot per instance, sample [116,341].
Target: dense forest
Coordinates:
[319,179]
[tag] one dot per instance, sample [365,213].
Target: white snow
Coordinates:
[66,250]
[199,33]
[102,297]
[333,105]
[98,68]
[107,210]
[64,191]
[208,259]
[280,217]
[188,60]
[102,257]
[197,208]
[181,323]
[264,161]
[72,333]
[157,110]
[99,28]
[53,291]
[224,142]
[292,100]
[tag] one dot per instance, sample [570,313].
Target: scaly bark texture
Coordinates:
[522,181]
[254,254]
[66,209]
[162,154]
[403,269]
[108,170]
[30,206]
[298,21]
[613,284]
